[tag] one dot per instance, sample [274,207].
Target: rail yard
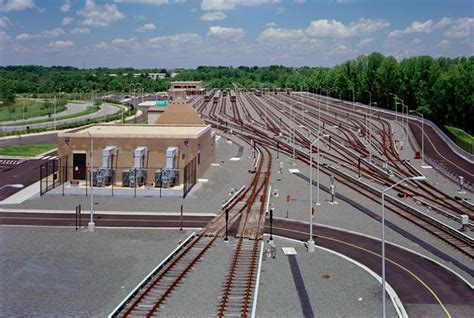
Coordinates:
[361,157]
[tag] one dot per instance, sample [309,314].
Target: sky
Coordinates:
[189,33]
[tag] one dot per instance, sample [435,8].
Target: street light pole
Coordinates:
[91,224]
[367,114]
[415,178]
[311,241]
[422,134]
[396,100]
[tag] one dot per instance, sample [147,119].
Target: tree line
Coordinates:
[440,88]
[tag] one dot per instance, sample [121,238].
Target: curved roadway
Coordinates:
[105,110]
[438,150]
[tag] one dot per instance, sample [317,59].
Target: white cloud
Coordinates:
[42,35]
[336,29]
[414,27]
[444,44]
[65,6]
[221,5]
[365,42]
[270,25]
[16,5]
[4,22]
[117,43]
[158,2]
[277,35]
[120,41]
[462,28]
[67,20]
[444,22]
[80,30]
[4,36]
[223,33]
[146,27]
[175,40]
[427,26]
[300,1]
[341,49]
[95,15]
[61,44]
[213,16]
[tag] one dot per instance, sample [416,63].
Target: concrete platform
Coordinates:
[58,272]
[320,284]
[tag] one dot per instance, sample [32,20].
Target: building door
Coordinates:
[79,166]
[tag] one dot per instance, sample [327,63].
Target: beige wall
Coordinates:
[126,146]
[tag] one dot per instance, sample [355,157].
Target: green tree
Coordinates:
[98,102]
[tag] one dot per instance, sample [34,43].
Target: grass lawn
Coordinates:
[461,138]
[87,111]
[26,150]
[27,108]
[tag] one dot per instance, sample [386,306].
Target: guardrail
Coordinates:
[232,198]
[152,274]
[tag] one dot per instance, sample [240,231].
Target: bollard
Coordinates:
[333,193]
[464,222]
[358,168]
[226,239]
[274,251]
[461,184]
[280,170]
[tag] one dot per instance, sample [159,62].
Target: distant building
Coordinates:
[185,88]
[157,76]
[153,109]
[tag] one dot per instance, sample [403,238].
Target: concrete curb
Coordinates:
[38,211]
[23,195]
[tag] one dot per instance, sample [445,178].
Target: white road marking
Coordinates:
[294,170]
[289,250]
[234,159]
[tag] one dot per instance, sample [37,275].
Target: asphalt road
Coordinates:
[71,108]
[105,110]
[425,288]
[49,138]
[437,149]
[27,172]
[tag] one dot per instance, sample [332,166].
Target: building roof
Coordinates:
[180,113]
[138,131]
[186,82]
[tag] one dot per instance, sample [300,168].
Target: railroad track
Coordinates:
[153,295]
[447,234]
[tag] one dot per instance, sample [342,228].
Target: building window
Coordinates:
[199,158]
